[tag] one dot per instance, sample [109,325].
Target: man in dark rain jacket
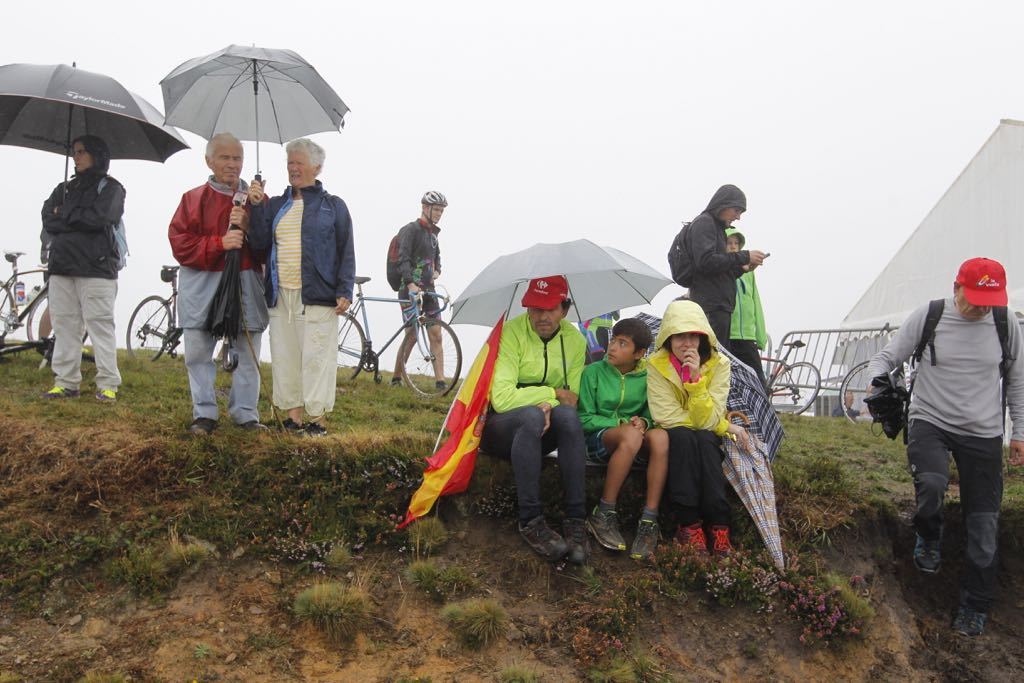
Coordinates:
[715,269]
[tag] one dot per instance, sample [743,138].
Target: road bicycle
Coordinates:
[21,309]
[792,387]
[432,367]
[153,328]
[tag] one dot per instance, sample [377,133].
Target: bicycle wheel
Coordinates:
[433,369]
[856,382]
[351,341]
[794,389]
[37,322]
[148,327]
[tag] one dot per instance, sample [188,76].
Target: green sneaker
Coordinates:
[106,395]
[605,527]
[647,534]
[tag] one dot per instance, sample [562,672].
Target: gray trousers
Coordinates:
[78,303]
[202,372]
[979,462]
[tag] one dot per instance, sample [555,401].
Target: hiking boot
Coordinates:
[969,621]
[290,426]
[314,429]
[692,535]
[106,395]
[575,531]
[61,392]
[396,381]
[646,540]
[605,527]
[253,426]
[928,556]
[720,545]
[543,540]
[440,385]
[202,426]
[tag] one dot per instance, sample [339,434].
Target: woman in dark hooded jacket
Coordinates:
[78,226]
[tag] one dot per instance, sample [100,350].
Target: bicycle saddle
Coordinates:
[361,279]
[12,256]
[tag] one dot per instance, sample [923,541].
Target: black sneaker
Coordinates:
[314,429]
[290,426]
[253,426]
[202,426]
[969,622]
[575,531]
[440,385]
[396,381]
[646,540]
[543,540]
[927,555]
[605,527]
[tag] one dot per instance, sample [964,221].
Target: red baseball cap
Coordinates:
[546,293]
[983,281]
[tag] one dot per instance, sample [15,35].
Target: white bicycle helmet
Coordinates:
[434,198]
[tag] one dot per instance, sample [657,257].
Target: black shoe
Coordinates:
[927,555]
[253,426]
[396,381]
[202,426]
[440,385]
[543,540]
[290,426]
[314,429]
[969,621]
[575,531]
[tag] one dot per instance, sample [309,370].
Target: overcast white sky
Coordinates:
[548,121]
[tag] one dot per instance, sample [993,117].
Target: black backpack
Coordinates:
[680,258]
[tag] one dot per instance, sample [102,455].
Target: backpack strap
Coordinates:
[1001,319]
[935,308]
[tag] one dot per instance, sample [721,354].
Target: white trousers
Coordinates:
[304,354]
[77,302]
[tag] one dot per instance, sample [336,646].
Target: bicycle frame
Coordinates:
[16,316]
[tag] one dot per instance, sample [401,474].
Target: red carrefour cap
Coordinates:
[983,281]
[546,292]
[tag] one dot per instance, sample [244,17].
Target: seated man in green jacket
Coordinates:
[533,397]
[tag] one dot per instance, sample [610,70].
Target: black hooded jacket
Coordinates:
[716,270]
[79,226]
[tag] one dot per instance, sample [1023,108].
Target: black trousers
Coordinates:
[979,462]
[721,322]
[516,436]
[747,351]
[696,483]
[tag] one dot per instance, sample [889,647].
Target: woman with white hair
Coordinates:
[310,274]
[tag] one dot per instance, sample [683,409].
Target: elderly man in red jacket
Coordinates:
[199,239]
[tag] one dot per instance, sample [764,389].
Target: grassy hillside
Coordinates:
[128,547]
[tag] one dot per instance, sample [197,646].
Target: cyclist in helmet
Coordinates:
[419,261]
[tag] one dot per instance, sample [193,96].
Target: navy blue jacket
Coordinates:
[328,252]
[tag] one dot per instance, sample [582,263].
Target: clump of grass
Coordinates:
[339,558]
[857,606]
[93,677]
[440,583]
[8,677]
[337,611]
[647,669]
[143,569]
[518,674]
[264,641]
[427,534]
[616,671]
[477,622]
[180,555]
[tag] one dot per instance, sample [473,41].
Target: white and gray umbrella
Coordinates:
[601,280]
[254,93]
[45,106]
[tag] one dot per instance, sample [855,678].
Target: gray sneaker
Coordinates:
[647,534]
[605,527]
[575,530]
[927,555]
[969,622]
[543,540]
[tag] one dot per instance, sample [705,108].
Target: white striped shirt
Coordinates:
[289,247]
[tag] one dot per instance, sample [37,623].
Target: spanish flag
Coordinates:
[450,468]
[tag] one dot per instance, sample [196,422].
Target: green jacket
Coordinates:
[609,398]
[747,316]
[528,370]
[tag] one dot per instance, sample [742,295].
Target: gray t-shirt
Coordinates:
[961,392]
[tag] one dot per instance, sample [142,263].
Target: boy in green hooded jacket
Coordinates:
[747,333]
[618,427]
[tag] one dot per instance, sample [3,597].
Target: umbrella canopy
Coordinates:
[751,475]
[45,106]
[601,280]
[253,93]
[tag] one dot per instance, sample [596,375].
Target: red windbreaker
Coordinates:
[196,230]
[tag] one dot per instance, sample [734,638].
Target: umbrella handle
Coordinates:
[229,357]
[737,413]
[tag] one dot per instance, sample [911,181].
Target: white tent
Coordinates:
[981,214]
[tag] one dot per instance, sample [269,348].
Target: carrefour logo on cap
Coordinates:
[542,284]
[987,281]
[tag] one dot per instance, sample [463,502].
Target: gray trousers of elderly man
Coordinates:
[195,295]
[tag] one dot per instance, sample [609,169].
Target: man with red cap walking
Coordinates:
[534,392]
[970,365]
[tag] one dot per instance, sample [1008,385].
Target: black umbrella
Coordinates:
[225,316]
[46,106]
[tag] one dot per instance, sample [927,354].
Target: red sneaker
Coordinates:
[692,535]
[720,541]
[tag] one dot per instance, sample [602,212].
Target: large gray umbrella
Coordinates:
[253,93]
[601,280]
[45,106]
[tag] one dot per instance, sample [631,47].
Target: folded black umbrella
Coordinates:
[225,316]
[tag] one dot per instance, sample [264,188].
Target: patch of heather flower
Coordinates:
[823,611]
